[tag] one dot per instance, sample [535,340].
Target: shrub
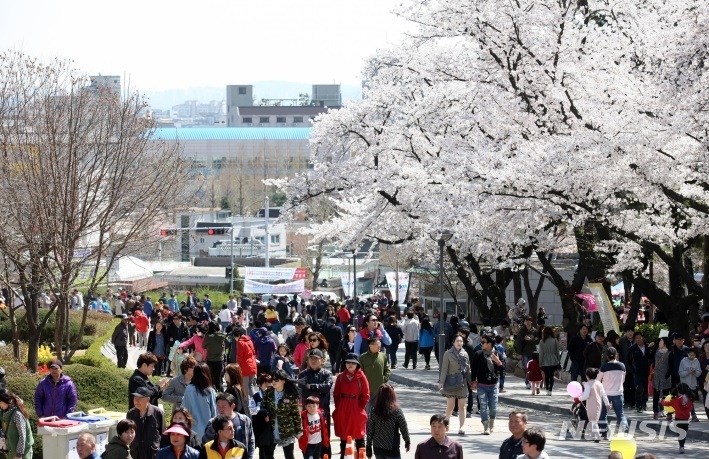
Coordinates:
[96,323]
[651,331]
[100,387]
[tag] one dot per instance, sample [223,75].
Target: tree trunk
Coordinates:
[517,285]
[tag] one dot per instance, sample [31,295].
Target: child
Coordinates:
[689,371]
[500,348]
[534,372]
[595,396]
[264,382]
[282,360]
[683,404]
[315,438]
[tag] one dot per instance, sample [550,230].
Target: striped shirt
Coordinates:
[383,434]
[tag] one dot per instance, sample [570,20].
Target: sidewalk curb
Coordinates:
[657,426]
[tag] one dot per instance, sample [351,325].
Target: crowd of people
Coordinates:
[256,375]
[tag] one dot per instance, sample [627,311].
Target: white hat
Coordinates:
[521,301]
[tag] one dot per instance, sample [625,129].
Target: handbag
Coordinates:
[454,382]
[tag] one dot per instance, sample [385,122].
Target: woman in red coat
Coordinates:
[351,396]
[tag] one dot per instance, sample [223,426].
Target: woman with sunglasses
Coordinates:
[316,340]
[346,348]
[302,346]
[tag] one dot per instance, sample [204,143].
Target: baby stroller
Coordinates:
[579,417]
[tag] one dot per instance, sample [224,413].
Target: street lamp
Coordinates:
[441,237]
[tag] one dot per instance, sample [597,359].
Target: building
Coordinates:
[197,230]
[112,82]
[242,112]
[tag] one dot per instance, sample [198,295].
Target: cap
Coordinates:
[56,363]
[142,392]
[352,358]
[521,301]
[178,429]
[315,353]
[124,316]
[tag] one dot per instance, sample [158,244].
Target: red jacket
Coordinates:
[246,356]
[683,407]
[142,322]
[343,315]
[351,397]
[324,430]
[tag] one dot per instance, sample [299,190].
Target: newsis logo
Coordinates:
[651,430]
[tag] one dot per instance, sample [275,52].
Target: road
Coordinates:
[419,405]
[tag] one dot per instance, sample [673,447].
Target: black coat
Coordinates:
[576,347]
[640,361]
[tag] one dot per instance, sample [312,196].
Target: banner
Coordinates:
[403,286]
[590,301]
[257,287]
[348,283]
[605,308]
[270,274]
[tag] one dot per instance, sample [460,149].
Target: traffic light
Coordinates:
[213,231]
[228,272]
[167,232]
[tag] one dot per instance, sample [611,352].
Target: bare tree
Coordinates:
[82,181]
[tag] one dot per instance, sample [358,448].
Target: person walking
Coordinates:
[281,405]
[351,395]
[372,328]
[119,339]
[661,374]
[386,425]
[595,397]
[454,378]
[439,446]
[265,348]
[411,330]
[576,347]
[612,376]
[527,340]
[240,349]
[150,423]
[346,348]
[175,390]
[549,357]
[235,387]
[214,345]
[396,334]
[316,381]
[426,341]
[512,446]
[16,424]
[375,366]
[179,447]
[640,358]
[200,398]
[333,335]
[483,375]
[157,344]
[118,447]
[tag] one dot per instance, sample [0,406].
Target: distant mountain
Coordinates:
[167,98]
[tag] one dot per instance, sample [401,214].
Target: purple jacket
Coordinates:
[55,399]
[265,347]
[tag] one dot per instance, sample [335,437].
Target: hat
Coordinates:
[352,358]
[521,301]
[187,292]
[142,392]
[56,363]
[124,316]
[178,429]
[315,353]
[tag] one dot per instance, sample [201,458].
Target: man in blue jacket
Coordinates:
[56,394]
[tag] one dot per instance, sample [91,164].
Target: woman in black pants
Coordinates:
[548,357]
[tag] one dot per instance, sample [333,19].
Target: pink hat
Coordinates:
[178,429]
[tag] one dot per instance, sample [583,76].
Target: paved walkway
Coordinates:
[516,394]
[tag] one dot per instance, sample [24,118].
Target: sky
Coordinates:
[159,44]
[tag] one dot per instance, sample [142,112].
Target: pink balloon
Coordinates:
[574,389]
